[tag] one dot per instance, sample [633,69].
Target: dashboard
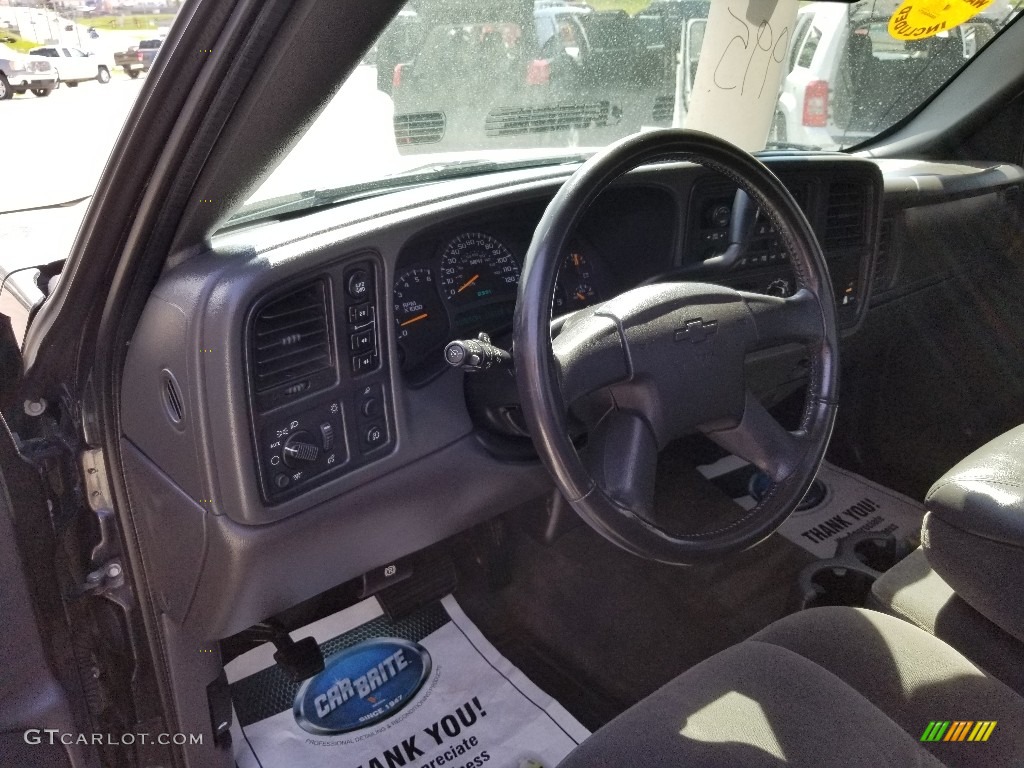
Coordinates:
[458,281]
[286,400]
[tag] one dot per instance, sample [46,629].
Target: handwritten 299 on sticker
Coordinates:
[741,64]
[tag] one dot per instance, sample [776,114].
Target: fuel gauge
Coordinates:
[575,287]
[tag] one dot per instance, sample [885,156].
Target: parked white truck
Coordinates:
[74,65]
[21,72]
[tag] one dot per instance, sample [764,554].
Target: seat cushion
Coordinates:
[824,687]
[911,676]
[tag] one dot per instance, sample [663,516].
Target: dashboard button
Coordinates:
[374,436]
[362,341]
[327,435]
[360,314]
[282,480]
[370,407]
[358,284]
[364,362]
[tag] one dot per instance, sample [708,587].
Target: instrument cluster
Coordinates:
[469,286]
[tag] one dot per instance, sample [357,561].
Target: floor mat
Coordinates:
[603,628]
[842,504]
[425,691]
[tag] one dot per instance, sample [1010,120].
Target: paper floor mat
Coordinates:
[426,691]
[850,504]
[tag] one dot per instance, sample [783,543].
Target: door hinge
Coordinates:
[97,484]
[101,581]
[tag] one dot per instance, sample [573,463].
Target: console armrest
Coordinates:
[913,591]
[973,533]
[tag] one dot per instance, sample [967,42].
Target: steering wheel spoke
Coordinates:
[622,455]
[761,440]
[782,321]
[589,355]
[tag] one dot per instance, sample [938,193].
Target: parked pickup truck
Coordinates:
[138,58]
[20,73]
[74,66]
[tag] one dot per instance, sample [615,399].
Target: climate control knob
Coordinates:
[300,448]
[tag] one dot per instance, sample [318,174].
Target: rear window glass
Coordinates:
[469,48]
[810,46]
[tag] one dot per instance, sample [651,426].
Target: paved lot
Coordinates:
[56,147]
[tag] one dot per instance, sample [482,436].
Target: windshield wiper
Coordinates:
[49,206]
[429,173]
[449,169]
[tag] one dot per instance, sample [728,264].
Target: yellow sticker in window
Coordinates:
[918,19]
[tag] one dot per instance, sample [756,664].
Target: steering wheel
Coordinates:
[665,360]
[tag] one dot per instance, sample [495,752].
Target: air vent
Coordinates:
[419,128]
[517,121]
[883,261]
[845,216]
[664,106]
[290,340]
[170,392]
[1013,198]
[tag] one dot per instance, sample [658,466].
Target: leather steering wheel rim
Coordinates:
[612,499]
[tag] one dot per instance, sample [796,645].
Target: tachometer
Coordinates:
[576,280]
[420,316]
[478,267]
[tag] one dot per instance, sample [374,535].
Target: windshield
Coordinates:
[457,87]
[452,81]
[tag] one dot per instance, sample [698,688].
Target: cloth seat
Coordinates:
[824,687]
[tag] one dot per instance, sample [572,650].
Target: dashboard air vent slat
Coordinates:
[174,405]
[845,216]
[290,338]
[883,261]
[1014,200]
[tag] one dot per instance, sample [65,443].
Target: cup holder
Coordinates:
[878,551]
[832,583]
[846,579]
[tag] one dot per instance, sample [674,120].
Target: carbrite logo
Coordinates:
[362,685]
[958,730]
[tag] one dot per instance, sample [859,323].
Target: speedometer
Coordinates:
[478,267]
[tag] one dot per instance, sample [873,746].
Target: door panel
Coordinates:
[31,697]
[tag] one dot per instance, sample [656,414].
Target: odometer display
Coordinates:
[476,267]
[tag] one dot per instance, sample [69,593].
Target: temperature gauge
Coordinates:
[575,287]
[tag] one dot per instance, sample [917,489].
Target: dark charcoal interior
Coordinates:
[932,351]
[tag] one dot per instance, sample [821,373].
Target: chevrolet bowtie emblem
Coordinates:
[696,331]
